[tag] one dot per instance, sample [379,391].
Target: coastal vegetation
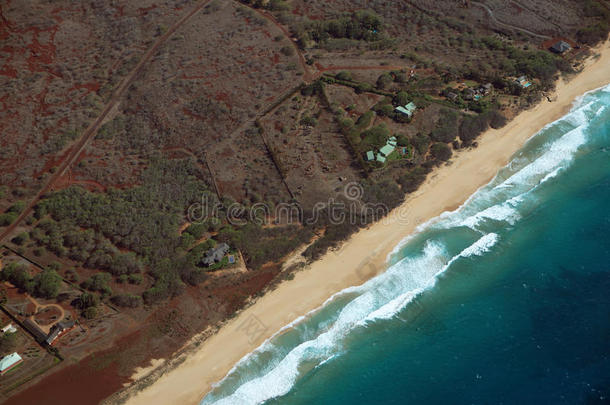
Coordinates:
[157,140]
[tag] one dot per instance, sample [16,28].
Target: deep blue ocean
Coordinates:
[503,301]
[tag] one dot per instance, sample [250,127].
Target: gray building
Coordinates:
[215,255]
[560,47]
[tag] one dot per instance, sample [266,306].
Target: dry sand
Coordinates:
[365,254]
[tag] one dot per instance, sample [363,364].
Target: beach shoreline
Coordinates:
[187,379]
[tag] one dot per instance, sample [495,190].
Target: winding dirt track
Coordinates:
[500,23]
[79,146]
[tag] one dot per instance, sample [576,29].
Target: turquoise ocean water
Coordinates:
[503,301]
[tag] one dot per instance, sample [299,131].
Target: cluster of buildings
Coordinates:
[383,153]
[471,93]
[11,361]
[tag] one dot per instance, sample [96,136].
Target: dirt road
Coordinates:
[79,146]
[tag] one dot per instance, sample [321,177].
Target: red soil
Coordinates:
[78,384]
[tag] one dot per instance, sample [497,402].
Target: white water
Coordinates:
[381,298]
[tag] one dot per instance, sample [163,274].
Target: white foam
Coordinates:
[387,294]
[382,298]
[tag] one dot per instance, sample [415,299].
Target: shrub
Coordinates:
[20,239]
[472,127]
[47,284]
[401,98]
[135,279]
[365,120]
[344,75]
[87,300]
[287,50]
[496,120]
[126,300]
[421,143]
[7,218]
[384,81]
[593,34]
[441,151]
[90,313]
[98,282]
[411,180]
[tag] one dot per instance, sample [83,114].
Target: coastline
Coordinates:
[365,254]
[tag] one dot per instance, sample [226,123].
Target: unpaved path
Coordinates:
[510,26]
[79,146]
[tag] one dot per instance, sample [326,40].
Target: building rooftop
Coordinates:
[386,150]
[560,47]
[214,255]
[35,330]
[9,361]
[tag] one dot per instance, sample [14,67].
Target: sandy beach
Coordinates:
[366,253]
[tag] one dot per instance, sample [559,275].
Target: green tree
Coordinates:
[440,151]
[384,81]
[47,284]
[402,98]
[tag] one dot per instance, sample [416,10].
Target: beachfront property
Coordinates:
[9,362]
[215,255]
[486,88]
[523,82]
[452,96]
[408,109]
[560,47]
[469,94]
[384,152]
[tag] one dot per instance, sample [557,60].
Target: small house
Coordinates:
[380,158]
[523,82]
[370,156]
[469,94]
[58,330]
[407,110]
[215,255]
[9,329]
[387,150]
[9,362]
[452,96]
[560,47]
[486,88]
[392,141]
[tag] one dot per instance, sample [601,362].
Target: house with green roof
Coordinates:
[380,158]
[387,149]
[370,155]
[408,109]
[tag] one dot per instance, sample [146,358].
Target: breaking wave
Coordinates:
[310,341]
